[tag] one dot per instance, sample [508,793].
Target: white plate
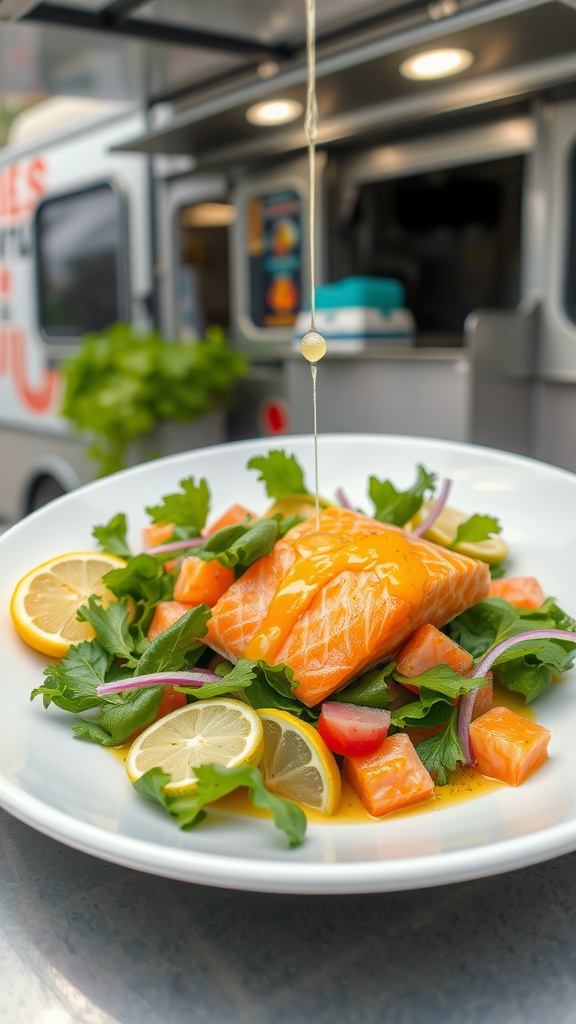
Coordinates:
[78,793]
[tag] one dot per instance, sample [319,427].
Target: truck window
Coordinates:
[203,271]
[81,263]
[452,237]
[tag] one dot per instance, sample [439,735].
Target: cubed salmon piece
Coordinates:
[428,647]
[166,614]
[521,591]
[506,746]
[391,778]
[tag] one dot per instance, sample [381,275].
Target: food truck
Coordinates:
[167,196]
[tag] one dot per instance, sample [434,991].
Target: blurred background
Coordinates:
[155,228]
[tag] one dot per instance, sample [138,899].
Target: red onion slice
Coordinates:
[197,677]
[532,634]
[342,498]
[175,545]
[465,709]
[466,705]
[435,510]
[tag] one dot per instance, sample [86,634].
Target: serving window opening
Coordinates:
[203,267]
[452,237]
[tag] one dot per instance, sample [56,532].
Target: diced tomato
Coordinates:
[507,747]
[201,582]
[234,515]
[350,730]
[521,591]
[391,778]
[157,533]
[166,614]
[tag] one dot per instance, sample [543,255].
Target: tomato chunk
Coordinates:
[521,591]
[391,778]
[507,747]
[350,730]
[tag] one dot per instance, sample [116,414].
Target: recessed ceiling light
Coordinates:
[274,112]
[436,64]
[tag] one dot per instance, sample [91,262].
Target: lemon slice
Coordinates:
[45,601]
[443,532]
[297,764]
[220,731]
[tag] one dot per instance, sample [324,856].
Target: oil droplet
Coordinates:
[313,346]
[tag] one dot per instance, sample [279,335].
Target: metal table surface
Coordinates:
[85,941]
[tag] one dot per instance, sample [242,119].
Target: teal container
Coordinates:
[383,293]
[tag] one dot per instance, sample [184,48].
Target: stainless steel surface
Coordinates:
[502,346]
[394,391]
[85,942]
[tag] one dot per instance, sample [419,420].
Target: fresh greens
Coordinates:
[188,507]
[111,538]
[214,782]
[120,384]
[71,684]
[240,545]
[527,668]
[398,507]
[438,689]
[475,529]
[261,685]
[280,473]
[442,753]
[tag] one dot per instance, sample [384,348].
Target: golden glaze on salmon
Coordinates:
[333,603]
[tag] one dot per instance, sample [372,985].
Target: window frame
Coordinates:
[569,287]
[60,344]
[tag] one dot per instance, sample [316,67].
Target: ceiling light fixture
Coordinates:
[274,112]
[436,64]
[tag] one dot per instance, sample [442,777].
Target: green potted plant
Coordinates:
[126,391]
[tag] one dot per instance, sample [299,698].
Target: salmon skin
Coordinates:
[332,603]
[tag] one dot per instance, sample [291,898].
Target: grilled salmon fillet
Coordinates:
[332,603]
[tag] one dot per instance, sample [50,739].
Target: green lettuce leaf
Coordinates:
[188,507]
[214,782]
[475,529]
[111,627]
[281,474]
[241,545]
[111,538]
[442,753]
[527,668]
[397,507]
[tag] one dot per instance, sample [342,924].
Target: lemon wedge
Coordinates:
[297,505]
[45,601]
[443,532]
[219,731]
[297,764]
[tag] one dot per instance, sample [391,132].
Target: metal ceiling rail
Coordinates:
[114,18]
[111,19]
